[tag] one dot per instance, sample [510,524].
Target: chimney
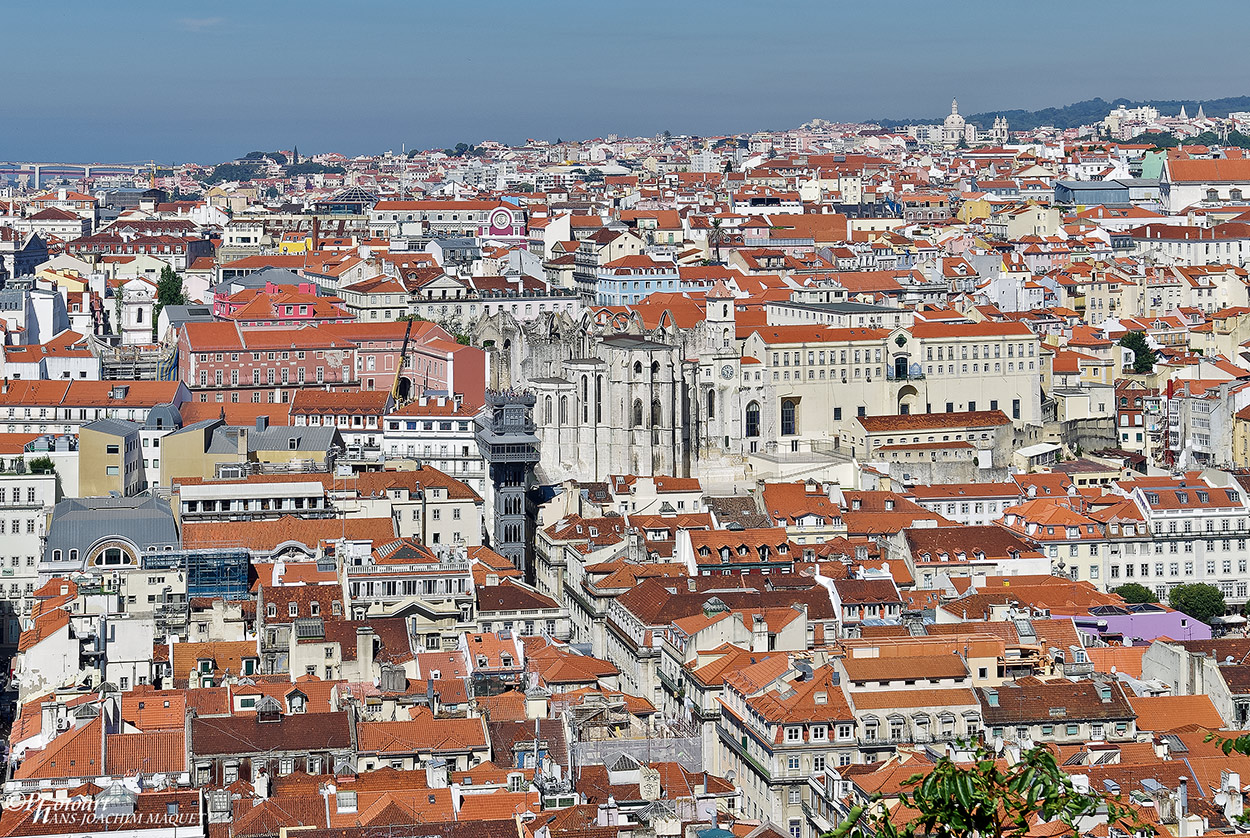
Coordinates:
[759,633]
[262,423]
[1182,799]
[50,713]
[364,652]
[1232,789]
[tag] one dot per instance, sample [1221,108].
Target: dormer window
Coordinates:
[292,609]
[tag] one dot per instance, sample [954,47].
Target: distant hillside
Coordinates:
[1087,112]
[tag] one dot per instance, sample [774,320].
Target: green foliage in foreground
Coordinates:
[984,798]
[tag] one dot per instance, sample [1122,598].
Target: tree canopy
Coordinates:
[241,172]
[42,465]
[1144,355]
[1199,600]
[276,156]
[984,797]
[1235,139]
[464,150]
[169,292]
[1134,593]
[1163,139]
[311,168]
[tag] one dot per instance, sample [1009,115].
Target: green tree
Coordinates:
[1163,139]
[984,798]
[169,292]
[260,156]
[716,235]
[234,171]
[1199,600]
[1144,356]
[311,168]
[1234,139]
[42,465]
[1134,593]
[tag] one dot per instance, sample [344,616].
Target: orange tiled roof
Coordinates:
[1167,712]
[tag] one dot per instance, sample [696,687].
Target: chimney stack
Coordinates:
[364,652]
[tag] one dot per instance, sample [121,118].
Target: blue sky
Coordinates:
[176,80]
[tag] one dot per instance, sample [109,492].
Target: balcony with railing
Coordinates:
[914,374]
[905,736]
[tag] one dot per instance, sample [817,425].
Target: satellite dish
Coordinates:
[1221,799]
[998,744]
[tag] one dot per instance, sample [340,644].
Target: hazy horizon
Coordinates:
[182,82]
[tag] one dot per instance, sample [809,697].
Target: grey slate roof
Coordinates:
[112,427]
[195,313]
[79,523]
[224,439]
[311,438]
[163,416]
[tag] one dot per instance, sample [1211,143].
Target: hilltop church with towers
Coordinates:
[955,131]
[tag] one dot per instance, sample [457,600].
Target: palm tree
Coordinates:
[715,235]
